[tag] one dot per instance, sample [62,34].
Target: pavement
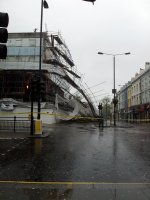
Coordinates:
[8,134]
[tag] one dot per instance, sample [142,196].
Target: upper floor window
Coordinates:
[32,42]
[18,42]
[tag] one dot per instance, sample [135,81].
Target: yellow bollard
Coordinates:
[38,127]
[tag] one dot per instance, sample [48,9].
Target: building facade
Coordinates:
[134,97]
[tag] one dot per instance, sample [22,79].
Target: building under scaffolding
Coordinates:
[22,63]
[58,71]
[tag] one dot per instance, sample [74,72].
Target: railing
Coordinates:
[136,120]
[15,124]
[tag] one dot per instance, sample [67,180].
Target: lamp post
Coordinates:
[45,5]
[90,1]
[114,87]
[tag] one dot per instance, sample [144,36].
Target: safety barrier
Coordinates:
[19,123]
[135,120]
[15,124]
[45,113]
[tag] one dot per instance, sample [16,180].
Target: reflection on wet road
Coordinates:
[92,163]
[74,191]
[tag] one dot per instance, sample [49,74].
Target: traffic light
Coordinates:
[100,107]
[28,87]
[4,20]
[42,88]
[37,88]
[34,88]
[27,91]
[115,101]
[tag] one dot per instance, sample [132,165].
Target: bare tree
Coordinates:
[106,103]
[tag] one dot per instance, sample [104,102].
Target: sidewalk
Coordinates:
[7,134]
[118,125]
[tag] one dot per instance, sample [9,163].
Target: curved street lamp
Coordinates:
[90,1]
[114,88]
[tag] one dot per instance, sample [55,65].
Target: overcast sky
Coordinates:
[110,26]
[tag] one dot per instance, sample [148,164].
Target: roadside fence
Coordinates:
[15,124]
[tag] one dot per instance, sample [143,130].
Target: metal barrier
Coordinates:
[15,124]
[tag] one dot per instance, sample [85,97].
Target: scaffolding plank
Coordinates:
[57,38]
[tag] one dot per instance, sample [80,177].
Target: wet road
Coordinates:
[78,161]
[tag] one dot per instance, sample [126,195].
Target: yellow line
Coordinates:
[67,116]
[73,183]
[50,114]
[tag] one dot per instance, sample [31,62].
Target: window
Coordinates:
[32,42]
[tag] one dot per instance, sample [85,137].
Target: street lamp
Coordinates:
[45,5]
[90,1]
[114,88]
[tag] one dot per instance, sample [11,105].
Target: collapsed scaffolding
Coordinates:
[58,71]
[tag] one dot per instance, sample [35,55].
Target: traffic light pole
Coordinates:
[32,122]
[114,92]
[39,96]
[101,120]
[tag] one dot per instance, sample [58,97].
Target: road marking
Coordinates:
[10,138]
[74,183]
[13,147]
